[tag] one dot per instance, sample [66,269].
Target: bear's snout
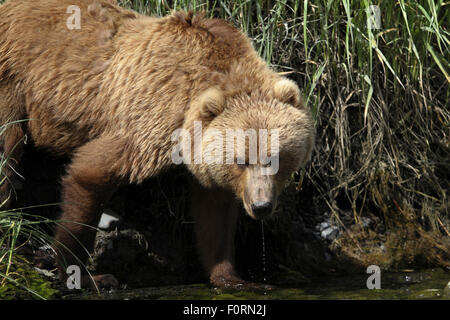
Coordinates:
[260,194]
[262,209]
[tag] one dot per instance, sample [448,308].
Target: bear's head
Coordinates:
[247,142]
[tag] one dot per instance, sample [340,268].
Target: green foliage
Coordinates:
[23,283]
[17,279]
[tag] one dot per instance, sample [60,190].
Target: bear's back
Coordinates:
[120,71]
[57,66]
[34,32]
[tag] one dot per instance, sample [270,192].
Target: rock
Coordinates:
[109,220]
[323,225]
[330,233]
[44,257]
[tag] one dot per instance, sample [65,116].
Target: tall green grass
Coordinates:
[17,279]
[17,228]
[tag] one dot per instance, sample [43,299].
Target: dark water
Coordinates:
[427,284]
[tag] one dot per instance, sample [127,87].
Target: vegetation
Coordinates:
[17,278]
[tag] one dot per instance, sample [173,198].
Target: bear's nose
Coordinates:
[262,209]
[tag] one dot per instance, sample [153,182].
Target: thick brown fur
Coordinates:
[110,95]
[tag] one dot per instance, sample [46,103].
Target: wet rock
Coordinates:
[42,256]
[128,255]
[326,230]
[322,226]
[330,233]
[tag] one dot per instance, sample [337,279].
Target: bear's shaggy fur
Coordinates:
[110,95]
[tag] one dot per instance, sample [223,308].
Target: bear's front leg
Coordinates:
[215,214]
[86,187]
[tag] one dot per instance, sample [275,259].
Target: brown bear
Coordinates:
[128,96]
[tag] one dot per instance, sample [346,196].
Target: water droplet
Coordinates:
[263,252]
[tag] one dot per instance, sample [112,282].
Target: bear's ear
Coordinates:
[211,103]
[288,92]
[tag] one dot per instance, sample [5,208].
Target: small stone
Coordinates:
[323,226]
[109,220]
[330,233]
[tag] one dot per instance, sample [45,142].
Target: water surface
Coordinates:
[427,284]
